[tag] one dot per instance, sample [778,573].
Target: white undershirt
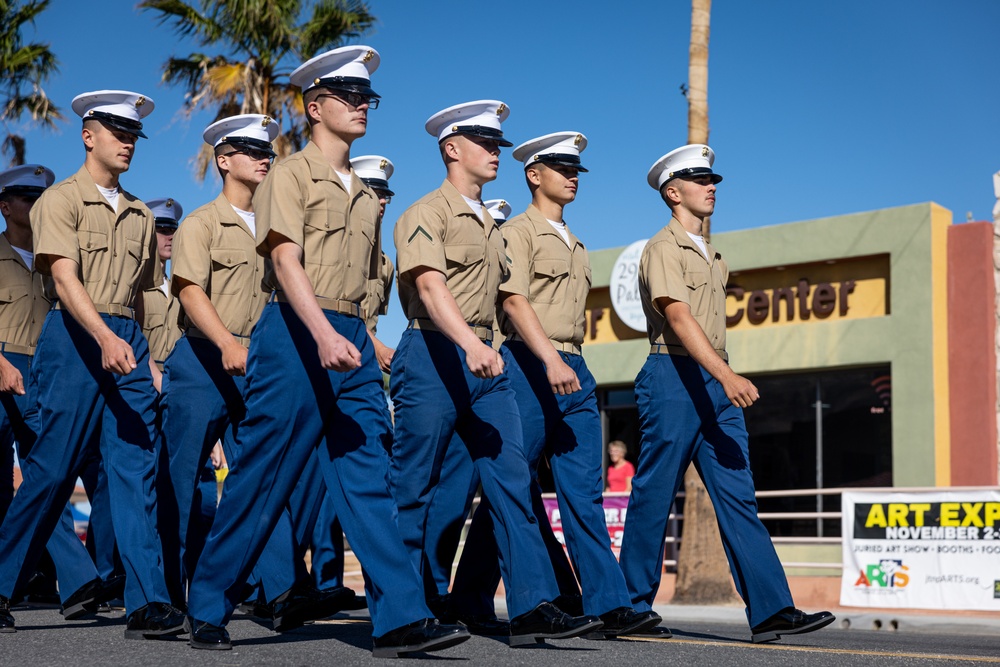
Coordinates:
[111,194]
[700,241]
[165,287]
[249,218]
[561,228]
[27,256]
[476,206]
[346,180]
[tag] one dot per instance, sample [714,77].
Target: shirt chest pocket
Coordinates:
[466,270]
[549,278]
[154,320]
[93,256]
[324,235]
[12,293]
[230,271]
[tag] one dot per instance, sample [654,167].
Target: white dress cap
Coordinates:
[374,171]
[252,130]
[557,148]
[28,180]
[120,109]
[348,68]
[690,160]
[498,209]
[481,118]
[166,212]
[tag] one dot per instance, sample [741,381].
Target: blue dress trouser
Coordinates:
[685,416]
[203,404]
[435,396]
[19,423]
[78,399]
[295,407]
[568,430]
[101,542]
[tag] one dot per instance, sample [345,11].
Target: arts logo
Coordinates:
[887,573]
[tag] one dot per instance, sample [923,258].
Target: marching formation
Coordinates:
[260,353]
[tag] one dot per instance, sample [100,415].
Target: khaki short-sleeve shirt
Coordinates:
[114,249]
[160,326]
[377,301]
[554,277]
[673,266]
[304,200]
[23,303]
[215,250]
[441,232]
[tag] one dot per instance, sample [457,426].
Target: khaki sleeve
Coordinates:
[191,258]
[152,272]
[419,237]
[54,221]
[388,277]
[519,250]
[661,267]
[279,208]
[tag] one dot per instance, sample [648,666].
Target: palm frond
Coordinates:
[187,20]
[334,23]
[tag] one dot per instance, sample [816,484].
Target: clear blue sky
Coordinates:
[816,108]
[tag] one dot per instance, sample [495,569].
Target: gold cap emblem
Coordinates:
[501,109]
[534,158]
[502,204]
[39,170]
[369,56]
[454,128]
[170,202]
[704,151]
[316,81]
[139,102]
[266,121]
[382,163]
[577,139]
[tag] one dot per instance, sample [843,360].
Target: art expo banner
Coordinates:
[935,550]
[615,508]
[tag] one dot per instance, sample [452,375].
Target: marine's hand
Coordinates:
[234,359]
[484,361]
[336,353]
[561,377]
[11,381]
[740,391]
[116,354]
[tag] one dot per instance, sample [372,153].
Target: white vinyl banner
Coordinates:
[935,550]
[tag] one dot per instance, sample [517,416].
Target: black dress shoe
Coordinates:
[208,636]
[790,621]
[485,626]
[625,621]
[571,604]
[359,602]
[421,636]
[257,609]
[85,601]
[657,632]
[6,618]
[156,619]
[546,621]
[113,588]
[295,608]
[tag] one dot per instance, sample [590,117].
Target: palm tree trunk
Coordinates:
[702,570]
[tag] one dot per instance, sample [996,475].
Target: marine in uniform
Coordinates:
[313,381]
[219,279]
[448,379]
[23,306]
[95,242]
[542,317]
[691,407]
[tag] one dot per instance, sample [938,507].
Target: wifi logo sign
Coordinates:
[883,389]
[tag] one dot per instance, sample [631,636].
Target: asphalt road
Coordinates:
[44,638]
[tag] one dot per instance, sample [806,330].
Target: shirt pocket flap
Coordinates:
[326,220]
[463,254]
[228,257]
[154,320]
[91,241]
[551,267]
[697,277]
[11,293]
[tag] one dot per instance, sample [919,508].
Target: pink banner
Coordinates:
[615,508]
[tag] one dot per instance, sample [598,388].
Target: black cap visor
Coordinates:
[249,142]
[693,172]
[117,122]
[26,191]
[561,159]
[481,131]
[378,184]
[348,84]
[165,222]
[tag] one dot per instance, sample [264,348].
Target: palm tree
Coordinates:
[257,44]
[702,569]
[23,68]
